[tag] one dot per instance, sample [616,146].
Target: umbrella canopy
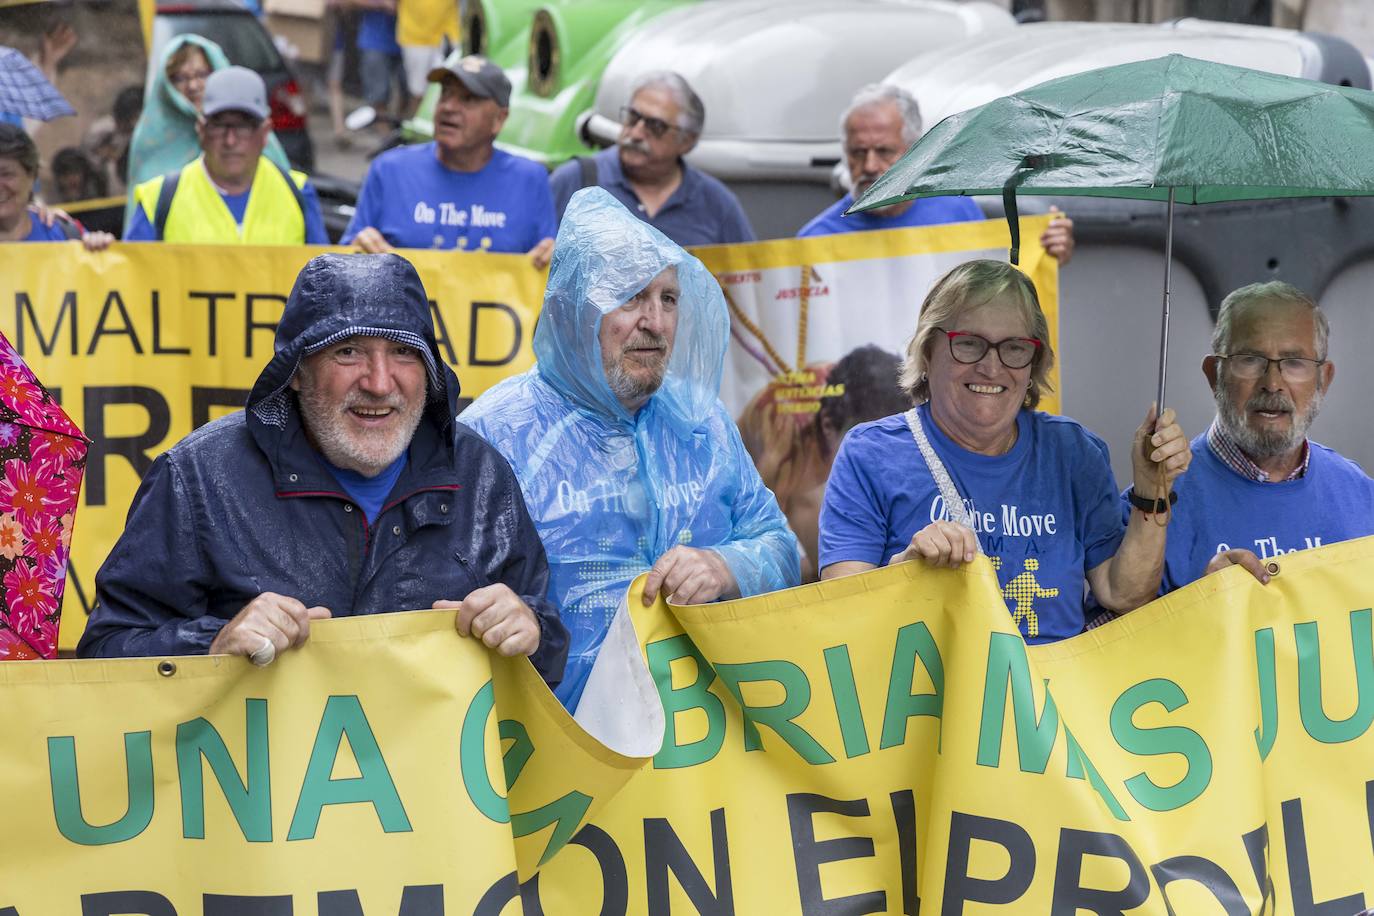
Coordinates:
[42,459]
[1169,129]
[1211,132]
[25,91]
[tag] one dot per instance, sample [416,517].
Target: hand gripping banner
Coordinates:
[883,743]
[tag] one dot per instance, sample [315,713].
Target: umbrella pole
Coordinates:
[1164,323]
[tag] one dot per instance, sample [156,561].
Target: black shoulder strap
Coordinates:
[588,166]
[164,202]
[291,183]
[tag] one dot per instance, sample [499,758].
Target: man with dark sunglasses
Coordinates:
[646,172]
[232,194]
[1258,487]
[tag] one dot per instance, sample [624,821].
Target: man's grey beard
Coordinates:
[368,454]
[627,387]
[1259,445]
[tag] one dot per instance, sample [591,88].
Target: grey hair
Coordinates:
[967,287]
[906,104]
[692,114]
[1273,291]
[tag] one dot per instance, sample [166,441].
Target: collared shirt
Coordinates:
[701,211]
[1229,454]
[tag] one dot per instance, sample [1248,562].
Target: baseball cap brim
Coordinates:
[467,79]
[252,111]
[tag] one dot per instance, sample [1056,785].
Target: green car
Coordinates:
[554,52]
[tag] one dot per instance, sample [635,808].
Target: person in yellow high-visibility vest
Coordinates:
[232,193]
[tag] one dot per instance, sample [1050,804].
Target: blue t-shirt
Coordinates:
[369,493]
[41,233]
[1047,511]
[415,201]
[702,211]
[141,228]
[1220,510]
[377,32]
[926,211]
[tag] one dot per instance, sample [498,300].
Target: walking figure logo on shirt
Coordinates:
[1022,591]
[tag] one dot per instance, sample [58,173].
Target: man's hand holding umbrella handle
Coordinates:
[497,616]
[267,625]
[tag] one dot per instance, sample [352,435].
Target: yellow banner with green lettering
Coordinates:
[883,743]
[143,343]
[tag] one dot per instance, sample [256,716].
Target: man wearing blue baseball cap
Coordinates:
[232,194]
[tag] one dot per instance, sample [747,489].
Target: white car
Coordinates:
[774,76]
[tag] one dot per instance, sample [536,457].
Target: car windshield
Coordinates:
[244,40]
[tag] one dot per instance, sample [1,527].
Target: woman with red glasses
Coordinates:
[974,468]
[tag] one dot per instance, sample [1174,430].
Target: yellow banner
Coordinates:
[871,744]
[143,343]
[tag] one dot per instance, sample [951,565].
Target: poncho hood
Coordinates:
[338,296]
[602,257]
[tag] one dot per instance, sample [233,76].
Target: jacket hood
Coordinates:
[603,256]
[338,296]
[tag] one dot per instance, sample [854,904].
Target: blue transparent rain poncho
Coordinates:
[609,492]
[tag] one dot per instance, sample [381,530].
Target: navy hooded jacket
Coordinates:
[244,505]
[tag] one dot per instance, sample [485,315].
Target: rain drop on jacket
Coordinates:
[609,492]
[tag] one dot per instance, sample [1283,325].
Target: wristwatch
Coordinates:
[1151,506]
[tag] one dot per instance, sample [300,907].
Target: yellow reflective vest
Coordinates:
[197,214]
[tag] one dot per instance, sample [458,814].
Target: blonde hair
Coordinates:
[181,55]
[969,286]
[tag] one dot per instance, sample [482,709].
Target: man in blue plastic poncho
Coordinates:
[626,456]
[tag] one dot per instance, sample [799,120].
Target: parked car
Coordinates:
[774,76]
[247,43]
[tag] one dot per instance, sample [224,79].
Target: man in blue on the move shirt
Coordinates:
[1258,487]
[458,191]
[876,129]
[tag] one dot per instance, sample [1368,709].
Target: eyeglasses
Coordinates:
[1292,368]
[1014,352]
[181,80]
[242,130]
[656,127]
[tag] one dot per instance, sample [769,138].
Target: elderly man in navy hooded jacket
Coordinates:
[343,488]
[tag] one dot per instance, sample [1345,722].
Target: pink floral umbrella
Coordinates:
[42,459]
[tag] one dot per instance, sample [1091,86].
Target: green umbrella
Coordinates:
[1169,129]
